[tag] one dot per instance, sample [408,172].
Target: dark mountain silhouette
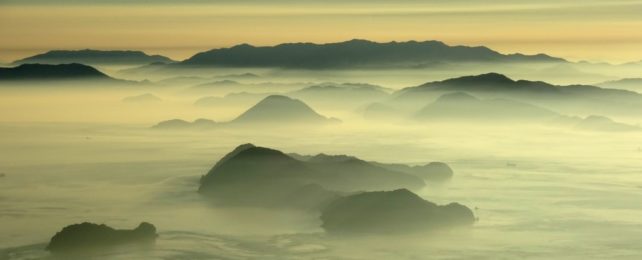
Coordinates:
[89,236]
[274,110]
[573,99]
[354,53]
[268,177]
[434,171]
[73,71]
[460,105]
[343,88]
[143,98]
[94,57]
[491,82]
[277,109]
[390,212]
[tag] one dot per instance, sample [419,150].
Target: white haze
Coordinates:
[75,154]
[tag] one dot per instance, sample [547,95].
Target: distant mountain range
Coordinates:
[73,71]
[273,110]
[460,105]
[633,84]
[594,123]
[94,57]
[572,99]
[354,53]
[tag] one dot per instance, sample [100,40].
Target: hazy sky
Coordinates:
[606,30]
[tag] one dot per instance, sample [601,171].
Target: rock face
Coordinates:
[87,236]
[71,71]
[277,109]
[263,176]
[389,212]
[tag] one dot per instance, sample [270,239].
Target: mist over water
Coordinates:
[71,154]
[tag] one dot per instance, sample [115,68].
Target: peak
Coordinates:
[242,46]
[279,101]
[359,41]
[494,77]
[278,97]
[402,191]
[488,78]
[281,109]
[322,157]
[243,147]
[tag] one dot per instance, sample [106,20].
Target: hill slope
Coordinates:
[572,99]
[387,212]
[460,105]
[264,176]
[73,71]
[280,109]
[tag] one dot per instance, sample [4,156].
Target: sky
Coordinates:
[593,30]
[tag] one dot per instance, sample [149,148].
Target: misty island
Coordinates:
[353,195]
[87,237]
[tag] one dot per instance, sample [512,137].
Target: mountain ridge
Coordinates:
[353,53]
[72,71]
[94,57]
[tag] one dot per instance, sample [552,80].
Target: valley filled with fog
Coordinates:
[547,169]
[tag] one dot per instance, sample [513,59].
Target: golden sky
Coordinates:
[577,30]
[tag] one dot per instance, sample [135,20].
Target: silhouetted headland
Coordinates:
[73,71]
[390,212]
[90,236]
[94,57]
[264,176]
